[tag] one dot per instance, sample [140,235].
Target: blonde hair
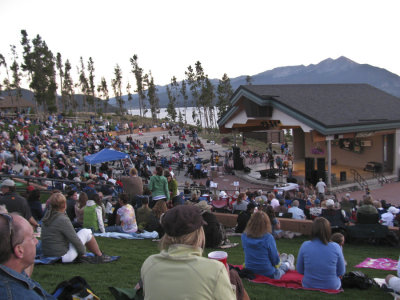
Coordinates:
[133,172]
[57,201]
[258,225]
[196,239]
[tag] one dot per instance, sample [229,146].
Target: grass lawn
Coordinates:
[126,271]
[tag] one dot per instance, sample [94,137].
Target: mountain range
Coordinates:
[340,70]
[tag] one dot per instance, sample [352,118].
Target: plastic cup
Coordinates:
[221,256]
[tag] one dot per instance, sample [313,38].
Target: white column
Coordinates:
[329,138]
[396,152]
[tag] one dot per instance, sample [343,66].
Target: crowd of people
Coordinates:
[145,198]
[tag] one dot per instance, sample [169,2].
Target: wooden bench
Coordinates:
[302,226]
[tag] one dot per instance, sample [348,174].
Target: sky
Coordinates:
[233,37]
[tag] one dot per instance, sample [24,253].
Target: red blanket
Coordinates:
[291,280]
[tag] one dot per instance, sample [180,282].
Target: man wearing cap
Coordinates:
[17,253]
[14,202]
[180,271]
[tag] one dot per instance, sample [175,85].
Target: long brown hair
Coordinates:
[159,208]
[258,225]
[83,198]
[321,229]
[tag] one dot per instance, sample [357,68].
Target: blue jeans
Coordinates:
[283,268]
[114,228]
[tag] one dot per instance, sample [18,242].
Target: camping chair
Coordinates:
[220,205]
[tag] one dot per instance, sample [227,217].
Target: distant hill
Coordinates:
[340,70]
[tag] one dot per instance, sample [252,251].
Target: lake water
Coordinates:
[163,113]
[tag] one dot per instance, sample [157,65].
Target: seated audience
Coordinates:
[79,207]
[126,219]
[35,204]
[367,213]
[240,204]
[132,184]
[180,271]
[93,216]
[244,217]
[276,226]
[334,216]
[154,223]
[213,229]
[17,255]
[59,237]
[339,239]
[388,218]
[72,198]
[297,213]
[281,208]
[319,260]
[143,213]
[260,252]
[14,202]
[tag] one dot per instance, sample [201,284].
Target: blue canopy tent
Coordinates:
[106,155]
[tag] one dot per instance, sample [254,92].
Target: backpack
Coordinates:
[357,279]
[74,289]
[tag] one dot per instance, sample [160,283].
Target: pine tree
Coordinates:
[117,88]
[68,89]
[91,84]
[59,66]
[103,92]
[224,92]
[84,84]
[152,96]
[172,93]
[40,65]
[138,72]
[185,97]
[128,90]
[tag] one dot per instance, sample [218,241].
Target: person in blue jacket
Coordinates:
[320,260]
[260,252]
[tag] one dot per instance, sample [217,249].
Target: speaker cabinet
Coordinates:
[237,160]
[309,163]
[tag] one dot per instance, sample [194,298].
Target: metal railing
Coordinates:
[359,179]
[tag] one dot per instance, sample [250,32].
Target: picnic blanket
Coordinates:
[43,260]
[291,280]
[130,236]
[379,263]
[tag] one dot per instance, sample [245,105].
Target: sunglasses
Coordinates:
[10,227]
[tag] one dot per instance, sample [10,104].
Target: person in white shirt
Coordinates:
[388,217]
[321,187]
[297,213]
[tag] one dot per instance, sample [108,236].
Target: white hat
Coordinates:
[348,195]
[222,194]
[393,210]
[8,183]
[329,202]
